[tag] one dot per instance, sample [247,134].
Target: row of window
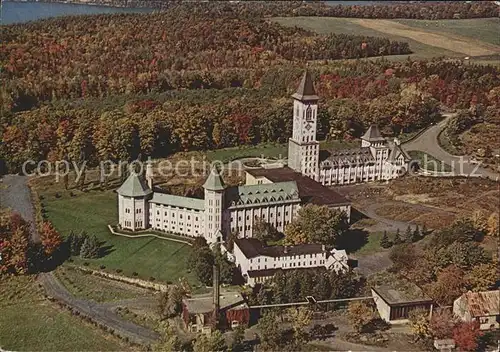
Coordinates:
[292,265]
[172,207]
[263,216]
[138,224]
[173,229]
[247,227]
[137,211]
[180,215]
[291,257]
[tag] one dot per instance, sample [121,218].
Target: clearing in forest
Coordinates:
[448,41]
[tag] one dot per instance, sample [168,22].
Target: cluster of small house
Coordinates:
[259,263]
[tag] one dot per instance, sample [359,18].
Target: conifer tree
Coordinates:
[408,235]
[397,238]
[90,248]
[416,235]
[384,241]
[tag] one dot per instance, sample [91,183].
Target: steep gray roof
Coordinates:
[178,201]
[134,186]
[214,181]
[396,151]
[306,90]
[354,156]
[373,134]
[263,193]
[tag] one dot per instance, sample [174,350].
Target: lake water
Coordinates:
[18,12]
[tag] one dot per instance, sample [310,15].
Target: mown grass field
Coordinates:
[427,39]
[274,151]
[87,286]
[326,25]
[93,211]
[31,323]
[483,29]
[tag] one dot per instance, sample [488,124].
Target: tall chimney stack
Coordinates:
[149,172]
[216,303]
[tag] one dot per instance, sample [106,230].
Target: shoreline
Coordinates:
[119,4]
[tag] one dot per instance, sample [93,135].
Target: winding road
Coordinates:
[15,194]
[428,143]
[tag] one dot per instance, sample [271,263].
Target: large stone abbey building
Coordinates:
[377,159]
[271,194]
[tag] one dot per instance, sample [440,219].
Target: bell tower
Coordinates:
[303,148]
[214,206]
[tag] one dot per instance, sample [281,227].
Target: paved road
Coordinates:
[428,142]
[100,313]
[15,194]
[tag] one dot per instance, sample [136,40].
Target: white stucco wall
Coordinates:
[132,213]
[383,308]
[185,221]
[242,218]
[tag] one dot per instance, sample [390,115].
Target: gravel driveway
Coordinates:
[15,194]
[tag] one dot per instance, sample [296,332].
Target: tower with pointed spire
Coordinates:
[303,148]
[214,205]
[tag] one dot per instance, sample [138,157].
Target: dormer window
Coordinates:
[309,113]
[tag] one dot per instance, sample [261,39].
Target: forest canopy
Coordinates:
[84,56]
[399,96]
[429,10]
[128,85]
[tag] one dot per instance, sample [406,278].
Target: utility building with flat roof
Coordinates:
[395,302]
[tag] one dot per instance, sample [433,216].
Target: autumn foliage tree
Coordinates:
[360,314]
[466,336]
[15,244]
[51,239]
[316,224]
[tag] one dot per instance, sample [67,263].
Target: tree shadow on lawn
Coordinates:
[105,250]
[352,240]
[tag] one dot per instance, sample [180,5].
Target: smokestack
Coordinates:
[216,302]
[149,173]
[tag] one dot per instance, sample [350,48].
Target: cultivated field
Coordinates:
[447,41]
[485,30]
[449,38]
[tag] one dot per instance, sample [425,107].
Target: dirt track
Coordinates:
[458,44]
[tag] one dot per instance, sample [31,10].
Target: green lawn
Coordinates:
[262,150]
[373,243]
[326,25]
[269,150]
[28,322]
[93,211]
[483,29]
[428,162]
[87,286]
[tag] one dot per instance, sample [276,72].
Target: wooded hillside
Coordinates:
[83,56]
[400,97]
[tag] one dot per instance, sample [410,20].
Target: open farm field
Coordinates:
[31,323]
[426,38]
[483,29]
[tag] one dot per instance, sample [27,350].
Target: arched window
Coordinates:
[309,113]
